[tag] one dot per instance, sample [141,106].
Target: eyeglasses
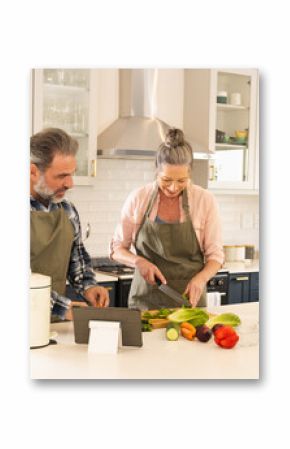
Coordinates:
[167,182]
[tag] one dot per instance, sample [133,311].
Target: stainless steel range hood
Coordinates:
[137,133]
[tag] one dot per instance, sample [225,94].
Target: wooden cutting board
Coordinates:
[158,323]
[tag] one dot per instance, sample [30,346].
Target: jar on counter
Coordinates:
[234,253]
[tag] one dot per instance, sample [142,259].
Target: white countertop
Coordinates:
[231,267]
[241,267]
[157,359]
[105,278]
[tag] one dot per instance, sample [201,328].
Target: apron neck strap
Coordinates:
[185,204]
[151,201]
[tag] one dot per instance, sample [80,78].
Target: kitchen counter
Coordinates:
[105,277]
[231,267]
[157,359]
[241,267]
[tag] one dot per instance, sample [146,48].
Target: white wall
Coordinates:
[101,205]
[240,219]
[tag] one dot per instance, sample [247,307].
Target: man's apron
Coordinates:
[174,249]
[51,238]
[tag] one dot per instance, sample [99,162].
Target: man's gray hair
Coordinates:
[45,144]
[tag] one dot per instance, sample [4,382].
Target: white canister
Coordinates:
[234,253]
[40,287]
[235,99]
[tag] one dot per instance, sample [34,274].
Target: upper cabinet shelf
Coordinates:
[229,146]
[230,107]
[64,88]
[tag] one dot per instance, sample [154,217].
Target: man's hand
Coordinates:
[97,296]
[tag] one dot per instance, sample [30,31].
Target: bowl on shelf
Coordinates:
[241,136]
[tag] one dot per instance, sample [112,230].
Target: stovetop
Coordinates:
[106,265]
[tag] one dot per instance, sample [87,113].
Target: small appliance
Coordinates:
[40,287]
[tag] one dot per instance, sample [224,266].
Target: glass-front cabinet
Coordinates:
[232,165]
[221,117]
[67,99]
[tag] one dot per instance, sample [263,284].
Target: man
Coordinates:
[56,247]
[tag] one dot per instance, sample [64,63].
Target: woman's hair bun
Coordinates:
[174,138]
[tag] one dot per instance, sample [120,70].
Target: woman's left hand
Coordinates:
[194,289]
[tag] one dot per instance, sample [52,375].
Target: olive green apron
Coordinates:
[174,249]
[51,238]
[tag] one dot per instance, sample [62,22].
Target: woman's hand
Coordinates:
[149,271]
[194,289]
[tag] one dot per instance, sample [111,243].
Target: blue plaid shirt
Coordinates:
[80,272]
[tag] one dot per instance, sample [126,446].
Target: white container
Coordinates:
[235,99]
[40,287]
[248,332]
[104,337]
[222,96]
[234,253]
[213,299]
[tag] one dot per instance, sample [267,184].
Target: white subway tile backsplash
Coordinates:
[247,220]
[101,204]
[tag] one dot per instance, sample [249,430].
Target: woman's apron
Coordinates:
[174,249]
[51,239]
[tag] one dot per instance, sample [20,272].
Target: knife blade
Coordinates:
[173,294]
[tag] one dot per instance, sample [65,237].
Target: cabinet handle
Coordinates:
[242,278]
[94,168]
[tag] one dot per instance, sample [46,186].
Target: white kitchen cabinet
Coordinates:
[108,97]
[233,164]
[67,99]
[169,96]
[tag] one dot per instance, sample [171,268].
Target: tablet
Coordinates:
[130,322]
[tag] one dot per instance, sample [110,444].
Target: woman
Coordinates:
[175,229]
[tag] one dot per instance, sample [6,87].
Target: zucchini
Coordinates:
[172,331]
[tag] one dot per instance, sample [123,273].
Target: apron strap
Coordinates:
[185,204]
[151,202]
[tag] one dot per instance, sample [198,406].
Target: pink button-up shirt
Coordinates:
[203,211]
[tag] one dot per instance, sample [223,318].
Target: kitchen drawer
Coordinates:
[239,288]
[111,286]
[254,287]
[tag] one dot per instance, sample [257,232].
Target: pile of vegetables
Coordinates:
[194,322]
[156,314]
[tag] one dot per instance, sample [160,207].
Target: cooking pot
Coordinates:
[40,287]
[234,253]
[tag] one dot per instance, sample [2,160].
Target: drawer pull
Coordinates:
[242,278]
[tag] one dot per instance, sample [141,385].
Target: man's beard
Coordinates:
[45,192]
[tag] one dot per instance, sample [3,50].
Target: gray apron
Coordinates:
[51,238]
[174,249]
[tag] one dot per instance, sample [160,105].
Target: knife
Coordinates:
[173,294]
